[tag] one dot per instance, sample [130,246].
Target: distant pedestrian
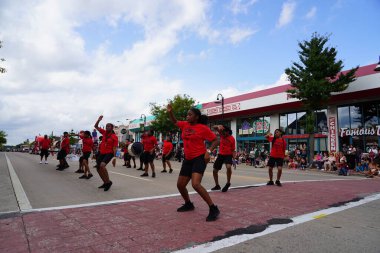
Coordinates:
[277,155]
[150,145]
[225,156]
[132,157]
[63,152]
[167,153]
[87,146]
[127,156]
[44,146]
[194,134]
[107,151]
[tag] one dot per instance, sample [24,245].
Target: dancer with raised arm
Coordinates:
[107,151]
[194,134]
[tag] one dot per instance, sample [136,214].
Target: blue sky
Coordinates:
[70,61]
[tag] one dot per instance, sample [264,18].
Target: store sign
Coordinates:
[360,131]
[332,135]
[245,128]
[123,131]
[227,108]
[260,126]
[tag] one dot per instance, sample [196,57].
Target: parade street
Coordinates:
[67,214]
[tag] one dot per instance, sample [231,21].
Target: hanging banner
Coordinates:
[332,134]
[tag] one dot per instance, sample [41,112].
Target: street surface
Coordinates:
[146,224]
[47,187]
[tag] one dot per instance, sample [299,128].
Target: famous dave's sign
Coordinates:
[360,131]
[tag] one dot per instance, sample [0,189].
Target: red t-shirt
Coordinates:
[45,143]
[109,141]
[125,150]
[278,148]
[167,147]
[65,144]
[88,143]
[149,142]
[194,137]
[227,145]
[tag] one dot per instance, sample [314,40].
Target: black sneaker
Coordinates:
[164,171]
[60,168]
[270,182]
[188,206]
[107,186]
[216,188]
[145,175]
[154,174]
[134,166]
[170,171]
[129,166]
[124,165]
[83,177]
[225,188]
[140,169]
[213,213]
[79,171]
[278,183]
[102,186]
[89,176]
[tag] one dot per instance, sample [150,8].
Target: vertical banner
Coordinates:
[332,134]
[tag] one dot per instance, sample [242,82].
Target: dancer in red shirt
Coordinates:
[107,151]
[226,154]
[87,145]
[150,145]
[65,149]
[277,154]
[167,153]
[44,146]
[194,134]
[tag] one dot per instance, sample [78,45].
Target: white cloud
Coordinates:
[236,35]
[287,14]
[54,83]
[311,13]
[183,57]
[241,6]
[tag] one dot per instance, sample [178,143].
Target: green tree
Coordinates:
[314,79]
[2,70]
[3,139]
[181,104]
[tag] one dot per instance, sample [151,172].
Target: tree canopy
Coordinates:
[3,139]
[316,77]
[181,104]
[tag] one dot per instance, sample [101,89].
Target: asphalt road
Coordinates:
[47,187]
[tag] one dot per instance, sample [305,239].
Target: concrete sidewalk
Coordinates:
[155,226]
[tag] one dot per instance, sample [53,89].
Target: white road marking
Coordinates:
[233,240]
[131,176]
[22,199]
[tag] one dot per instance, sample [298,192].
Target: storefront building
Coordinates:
[351,117]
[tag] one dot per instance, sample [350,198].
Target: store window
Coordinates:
[283,122]
[253,127]
[292,124]
[358,125]
[321,121]
[356,116]
[301,122]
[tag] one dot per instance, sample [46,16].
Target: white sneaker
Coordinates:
[40,162]
[46,162]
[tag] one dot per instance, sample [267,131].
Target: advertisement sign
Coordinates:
[332,135]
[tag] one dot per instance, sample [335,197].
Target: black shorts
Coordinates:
[196,165]
[61,154]
[85,156]
[104,158]
[44,152]
[147,157]
[227,159]
[167,157]
[273,160]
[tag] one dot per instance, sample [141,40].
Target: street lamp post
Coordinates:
[220,99]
